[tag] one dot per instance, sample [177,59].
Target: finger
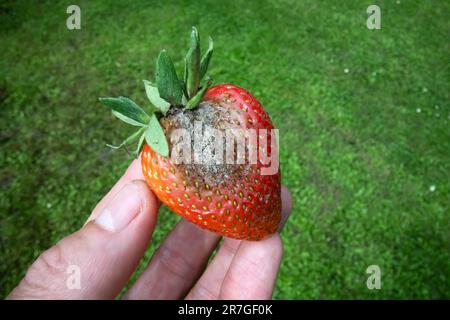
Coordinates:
[210,283]
[176,265]
[96,261]
[208,286]
[134,172]
[253,270]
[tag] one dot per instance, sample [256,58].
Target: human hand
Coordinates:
[108,248]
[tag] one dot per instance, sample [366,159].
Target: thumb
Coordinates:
[96,261]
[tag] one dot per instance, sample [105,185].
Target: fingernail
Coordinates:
[121,210]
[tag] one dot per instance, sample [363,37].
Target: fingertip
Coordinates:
[132,202]
[146,193]
[286,200]
[254,269]
[152,200]
[286,206]
[271,246]
[277,244]
[134,171]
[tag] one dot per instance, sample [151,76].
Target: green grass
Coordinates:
[357,156]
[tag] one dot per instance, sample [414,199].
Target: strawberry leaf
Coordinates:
[206,58]
[153,95]
[127,120]
[185,74]
[167,80]
[193,64]
[155,137]
[199,96]
[126,110]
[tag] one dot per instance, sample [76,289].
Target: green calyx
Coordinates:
[167,91]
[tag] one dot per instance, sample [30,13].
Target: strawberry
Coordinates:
[234,199]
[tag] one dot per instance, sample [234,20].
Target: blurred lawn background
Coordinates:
[363,115]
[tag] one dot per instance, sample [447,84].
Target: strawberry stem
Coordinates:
[128,140]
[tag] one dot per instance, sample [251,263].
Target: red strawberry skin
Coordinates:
[245,205]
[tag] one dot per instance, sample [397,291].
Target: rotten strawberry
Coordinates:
[205,150]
